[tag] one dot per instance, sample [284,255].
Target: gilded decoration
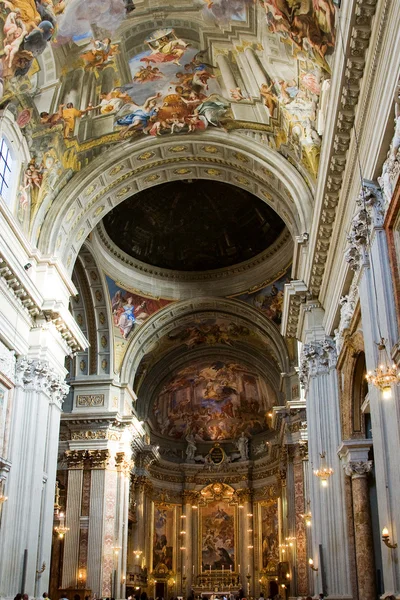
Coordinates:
[218,528]
[90,399]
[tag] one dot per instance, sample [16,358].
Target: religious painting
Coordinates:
[163,537]
[129,311]
[195,333]
[269,300]
[269,534]
[213,401]
[76,82]
[217,536]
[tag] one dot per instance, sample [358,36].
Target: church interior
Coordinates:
[199,299]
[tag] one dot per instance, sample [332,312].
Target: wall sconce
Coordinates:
[312,566]
[386,538]
[138,553]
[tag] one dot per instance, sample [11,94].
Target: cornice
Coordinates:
[358,44]
[186,276]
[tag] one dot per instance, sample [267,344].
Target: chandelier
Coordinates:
[385,375]
[61,529]
[324,472]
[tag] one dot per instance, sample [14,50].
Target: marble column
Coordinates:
[27,516]
[72,519]
[378,312]
[227,75]
[357,466]
[318,376]
[300,527]
[187,526]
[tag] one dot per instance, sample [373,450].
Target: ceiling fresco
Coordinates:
[211,401]
[193,226]
[80,77]
[198,332]
[268,299]
[129,311]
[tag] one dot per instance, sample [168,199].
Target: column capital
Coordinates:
[316,357]
[354,454]
[75,458]
[359,468]
[39,375]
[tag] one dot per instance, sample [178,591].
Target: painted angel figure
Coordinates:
[139,116]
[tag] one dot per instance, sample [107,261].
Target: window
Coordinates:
[6,163]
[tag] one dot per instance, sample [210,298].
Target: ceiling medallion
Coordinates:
[146,155]
[98,210]
[80,234]
[70,215]
[90,189]
[123,191]
[241,180]
[240,157]
[151,178]
[182,171]
[213,172]
[116,170]
[178,149]
[210,149]
[266,195]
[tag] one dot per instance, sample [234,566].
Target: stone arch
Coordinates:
[352,355]
[110,180]
[164,321]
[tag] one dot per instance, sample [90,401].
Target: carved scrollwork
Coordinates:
[40,376]
[358,468]
[317,357]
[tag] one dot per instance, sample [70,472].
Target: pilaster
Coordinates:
[319,378]
[368,255]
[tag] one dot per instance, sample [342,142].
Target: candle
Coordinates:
[248,569]
[230,568]
[184,570]
[239,568]
[210,569]
[193,570]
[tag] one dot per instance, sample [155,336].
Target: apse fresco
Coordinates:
[269,534]
[217,536]
[203,331]
[213,400]
[163,537]
[269,300]
[79,77]
[129,312]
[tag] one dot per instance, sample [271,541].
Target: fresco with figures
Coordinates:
[163,537]
[270,535]
[129,311]
[217,537]
[269,299]
[79,77]
[213,401]
[205,331]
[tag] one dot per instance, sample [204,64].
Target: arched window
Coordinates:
[360,390]
[6,171]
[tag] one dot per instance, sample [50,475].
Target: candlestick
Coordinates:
[222,569]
